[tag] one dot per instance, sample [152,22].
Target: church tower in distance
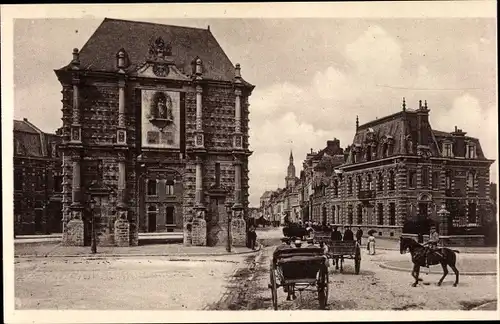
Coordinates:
[290,175]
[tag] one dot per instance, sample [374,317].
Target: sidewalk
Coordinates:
[57,250]
[393,245]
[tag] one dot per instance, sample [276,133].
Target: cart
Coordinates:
[340,250]
[299,269]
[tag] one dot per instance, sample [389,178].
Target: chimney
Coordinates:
[424,129]
[333,145]
[459,142]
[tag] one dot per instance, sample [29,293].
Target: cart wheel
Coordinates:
[323,288]
[357,261]
[274,289]
[357,265]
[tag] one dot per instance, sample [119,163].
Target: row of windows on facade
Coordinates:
[447,151]
[336,212]
[470,151]
[169,215]
[412,181]
[39,181]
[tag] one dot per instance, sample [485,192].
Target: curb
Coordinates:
[480,307]
[461,252]
[385,266]
[102,256]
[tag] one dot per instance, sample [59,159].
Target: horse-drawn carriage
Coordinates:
[303,268]
[340,250]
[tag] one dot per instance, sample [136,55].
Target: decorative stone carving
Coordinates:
[159,49]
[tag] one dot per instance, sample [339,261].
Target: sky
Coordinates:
[312,77]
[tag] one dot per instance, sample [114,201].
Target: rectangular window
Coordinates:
[471,152]
[18,180]
[470,180]
[412,178]
[359,214]
[380,214]
[435,179]
[151,187]
[392,181]
[425,177]
[447,150]
[392,213]
[380,182]
[349,214]
[58,179]
[369,182]
[448,180]
[349,186]
[217,175]
[170,217]
[471,215]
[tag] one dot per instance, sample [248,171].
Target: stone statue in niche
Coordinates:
[160,113]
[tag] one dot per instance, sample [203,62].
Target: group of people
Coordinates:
[336,235]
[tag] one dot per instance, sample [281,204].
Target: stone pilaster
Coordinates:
[237,136]
[198,235]
[76,127]
[199,135]
[238,224]
[121,133]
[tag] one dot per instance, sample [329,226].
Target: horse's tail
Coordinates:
[456,251]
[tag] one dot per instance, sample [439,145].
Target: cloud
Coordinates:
[467,114]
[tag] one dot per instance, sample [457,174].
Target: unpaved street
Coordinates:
[121,283]
[374,288]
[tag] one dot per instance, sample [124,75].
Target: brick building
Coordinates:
[37,180]
[399,171]
[155,134]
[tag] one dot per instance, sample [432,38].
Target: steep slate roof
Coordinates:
[29,140]
[397,126]
[99,53]
[441,136]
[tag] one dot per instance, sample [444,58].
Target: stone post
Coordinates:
[199,136]
[238,225]
[199,225]
[443,216]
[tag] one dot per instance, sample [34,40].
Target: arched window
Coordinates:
[470,180]
[385,150]
[349,185]
[169,187]
[152,187]
[152,218]
[359,214]
[448,180]
[335,187]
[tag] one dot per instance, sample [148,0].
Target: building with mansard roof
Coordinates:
[154,136]
[37,180]
[400,171]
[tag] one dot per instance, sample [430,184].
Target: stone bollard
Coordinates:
[73,235]
[238,232]
[188,233]
[122,232]
[199,232]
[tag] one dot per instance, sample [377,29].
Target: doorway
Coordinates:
[152,219]
[38,220]
[422,210]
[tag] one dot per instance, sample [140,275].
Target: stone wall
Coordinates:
[73,234]
[122,232]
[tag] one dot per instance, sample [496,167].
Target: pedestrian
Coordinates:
[348,234]
[252,236]
[371,244]
[359,235]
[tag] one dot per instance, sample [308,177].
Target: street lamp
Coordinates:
[94,243]
[229,214]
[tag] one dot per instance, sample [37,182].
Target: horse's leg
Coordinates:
[454,268]
[416,270]
[293,292]
[445,272]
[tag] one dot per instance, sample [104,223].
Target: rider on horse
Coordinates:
[431,245]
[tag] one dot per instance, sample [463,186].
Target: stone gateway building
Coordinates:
[154,136]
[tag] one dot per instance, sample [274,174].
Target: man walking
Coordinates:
[359,235]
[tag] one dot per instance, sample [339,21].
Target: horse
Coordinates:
[444,256]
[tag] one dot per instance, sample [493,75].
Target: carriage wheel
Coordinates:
[274,289]
[357,260]
[323,288]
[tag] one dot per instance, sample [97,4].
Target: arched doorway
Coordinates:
[152,212]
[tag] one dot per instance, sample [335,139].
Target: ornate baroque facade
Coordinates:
[155,135]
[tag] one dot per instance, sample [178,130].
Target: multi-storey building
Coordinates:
[37,180]
[399,170]
[155,136]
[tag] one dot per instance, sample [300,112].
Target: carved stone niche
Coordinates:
[76,134]
[238,141]
[161,113]
[121,137]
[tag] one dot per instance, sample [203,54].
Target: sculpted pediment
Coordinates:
[160,70]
